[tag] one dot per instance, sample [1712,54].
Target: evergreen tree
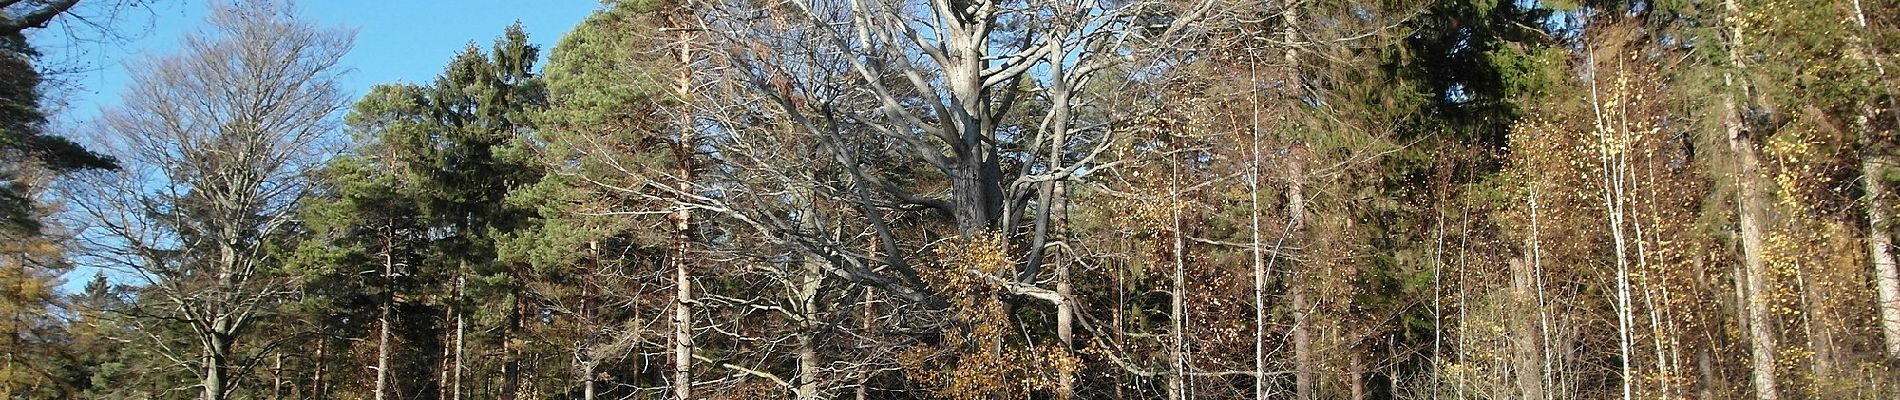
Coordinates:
[32,256]
[453,145]
[27,152]
[370,245]
[598,249]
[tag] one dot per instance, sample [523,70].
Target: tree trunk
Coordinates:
[1438,298]
[811,280]
[1546,382]
[1751,208]
[682,229]
[587,387]
[1880,249]
[807,366]
[1055,199]
[1257,253]
[976,178]
[461,328]
[1303,365]
[682,306]
[316,371]
[382,353]
[1065,327]
[975,183]
[217,366]
[1461,336]
[1528,359]
[1177,309]
[448,354]
[218,334]
[1874,168]
[382,322]
[1355,375]
[277,376]
[511,346]
[589,363]
[870,312]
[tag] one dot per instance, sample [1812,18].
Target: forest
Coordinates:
[974,199]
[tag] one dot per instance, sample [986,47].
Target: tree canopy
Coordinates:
[939,199]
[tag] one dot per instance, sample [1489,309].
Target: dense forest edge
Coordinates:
[973,199]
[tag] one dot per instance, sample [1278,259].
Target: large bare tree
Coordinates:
[217,139]
[984,98]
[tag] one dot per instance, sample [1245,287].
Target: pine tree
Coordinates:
[618,154]
[450,148]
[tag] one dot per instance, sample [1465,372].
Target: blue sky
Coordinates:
[396,41]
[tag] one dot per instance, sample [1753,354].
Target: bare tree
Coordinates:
[880,94]
[217,139]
